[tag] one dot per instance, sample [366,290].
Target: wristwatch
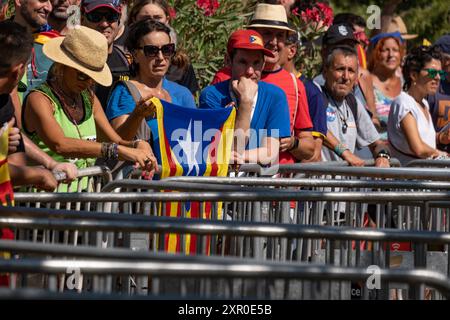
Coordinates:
[384,154]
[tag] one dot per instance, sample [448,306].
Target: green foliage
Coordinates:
[204,38]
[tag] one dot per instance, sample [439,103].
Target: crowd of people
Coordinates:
[76,95]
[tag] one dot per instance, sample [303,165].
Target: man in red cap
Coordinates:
[263,115]
[104,16]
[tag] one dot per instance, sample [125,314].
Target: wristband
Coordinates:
[340,149]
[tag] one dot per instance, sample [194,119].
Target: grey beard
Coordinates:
[59,16]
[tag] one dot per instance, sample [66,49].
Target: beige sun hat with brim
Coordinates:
[270,16]
[397,24]
[83,49]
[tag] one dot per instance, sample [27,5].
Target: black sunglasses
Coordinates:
[96,16]
[151,51]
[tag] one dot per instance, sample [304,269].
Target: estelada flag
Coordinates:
[6,193]
[6,190]
[192,142]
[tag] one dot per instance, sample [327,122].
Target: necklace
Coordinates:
[70,109]
[342,116]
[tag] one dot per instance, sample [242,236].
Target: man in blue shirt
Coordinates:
[263,114]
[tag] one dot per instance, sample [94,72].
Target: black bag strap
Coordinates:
[353,105]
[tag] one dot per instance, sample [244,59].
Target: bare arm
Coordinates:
[317,154]
[301,150]
[17,106]
[40,110]
[245,90]
[266,154]
[331,142]
[32,176]
[417,146]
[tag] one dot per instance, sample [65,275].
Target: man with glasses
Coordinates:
[104,16]
[440,102]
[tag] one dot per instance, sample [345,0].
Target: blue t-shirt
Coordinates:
[317,106]
[121,102]
[271,114]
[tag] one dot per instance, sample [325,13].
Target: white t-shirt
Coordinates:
[401,106]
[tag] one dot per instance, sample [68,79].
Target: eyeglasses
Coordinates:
[432,73]
[82,76]
[97,16]
[151,51]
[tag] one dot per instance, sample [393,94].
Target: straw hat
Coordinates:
[270,16]
[83,49]
[397,24]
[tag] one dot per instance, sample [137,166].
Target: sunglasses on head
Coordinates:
[82,76]
[432,73]
[151,51]
[96,16]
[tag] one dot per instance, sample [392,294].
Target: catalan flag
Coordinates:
[192,142]
[6,193]
[362,59]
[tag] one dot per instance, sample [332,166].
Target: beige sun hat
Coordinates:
[83,49]
[270,16]
[397,24]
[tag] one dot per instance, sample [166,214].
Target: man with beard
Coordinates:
[33,15]
[57,19]
[15,48]
[104,16]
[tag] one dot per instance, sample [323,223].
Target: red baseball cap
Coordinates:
[249,40]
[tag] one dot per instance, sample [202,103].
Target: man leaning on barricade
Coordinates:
[347,119]
[263,115]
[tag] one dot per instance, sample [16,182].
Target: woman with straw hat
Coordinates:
[64,117]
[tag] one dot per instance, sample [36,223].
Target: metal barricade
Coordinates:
[337,241]
[423,163]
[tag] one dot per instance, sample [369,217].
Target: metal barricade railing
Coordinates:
[422,163]
[262,241]
[93,177]
[238,280]
[175,274]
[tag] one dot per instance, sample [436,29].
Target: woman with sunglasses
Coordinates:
[411,132]
[386,55]
[151,47]
[64,117]
[181,70]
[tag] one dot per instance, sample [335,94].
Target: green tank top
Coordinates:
[86,130]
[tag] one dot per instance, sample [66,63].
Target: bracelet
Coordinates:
[296,143]
[340,149]
[136,142]
[110,151]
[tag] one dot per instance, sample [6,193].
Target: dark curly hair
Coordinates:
[416,60]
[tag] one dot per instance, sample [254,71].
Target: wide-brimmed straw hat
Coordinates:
[397,24]
[270,16]
[83,49]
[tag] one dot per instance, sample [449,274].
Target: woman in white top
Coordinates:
[411,133]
